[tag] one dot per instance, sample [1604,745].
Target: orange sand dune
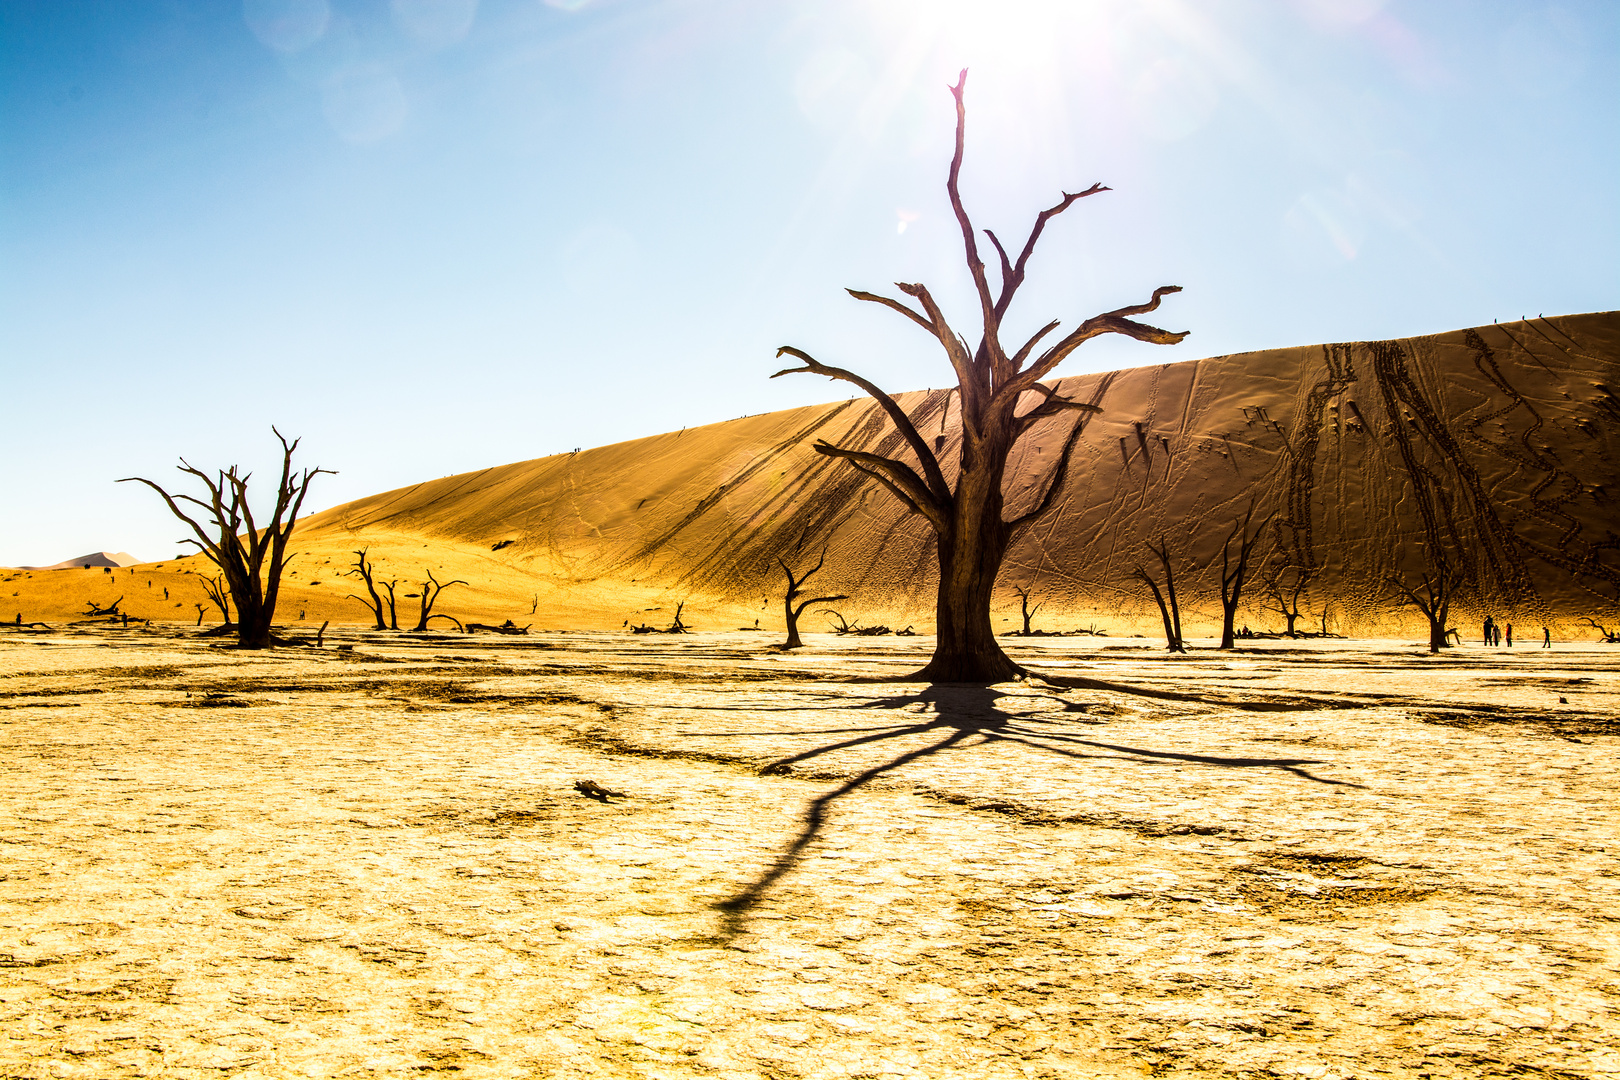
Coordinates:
[1497,444]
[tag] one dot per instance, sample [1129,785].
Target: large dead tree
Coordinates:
[795,590]
[250,557]
[1234,571]
[992,384]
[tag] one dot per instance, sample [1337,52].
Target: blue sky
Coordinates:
[434,235]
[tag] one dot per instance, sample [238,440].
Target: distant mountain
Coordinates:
[93,560]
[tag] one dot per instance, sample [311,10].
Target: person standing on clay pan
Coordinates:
[1497,630]
[1546,638]
[1510,635]
[1489,625]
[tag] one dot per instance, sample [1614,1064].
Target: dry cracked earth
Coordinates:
[1330,860]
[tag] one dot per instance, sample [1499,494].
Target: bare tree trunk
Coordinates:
[965,645]
[993,382]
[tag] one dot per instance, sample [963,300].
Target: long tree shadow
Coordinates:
[962,716]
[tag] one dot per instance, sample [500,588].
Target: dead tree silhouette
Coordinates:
[250,558]
[1284,586]
[796,589]
[963,717]
[1234,573]
[362,569]
[431,588]
[393,609]
[967,520]
[1439,587]
[220,594]
[1610,636]
[1169,610]
[1028,612]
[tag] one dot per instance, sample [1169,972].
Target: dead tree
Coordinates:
[93,609]
[249,557]
[362,569]
[1169,608]
[1233,574]
[795,589]
[992,382]
[431,588]
[844,626]
[1286,596]
[393,609]
[1610,636]
[1438,589]
[1028,612]
[220,594]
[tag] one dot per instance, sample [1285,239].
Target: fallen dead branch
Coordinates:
[592,790]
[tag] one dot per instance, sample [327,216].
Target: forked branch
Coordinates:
[936,485]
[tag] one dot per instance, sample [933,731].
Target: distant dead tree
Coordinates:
[1432,595]
[93,609]
[1028,612]
[393,610]
[220,593]
[249,557]
[795,590]
[362,569]
[1233,573]
[431,588]
[1610,636]
[1169,608]
[844,626]
[1284,587]
[992,382]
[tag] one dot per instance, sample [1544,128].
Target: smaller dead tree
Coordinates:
[1233,573]
[796,589]
[1169,609]
[220,594]
[362,569]
[1432,596]
[1284,588]
[844,626]
[431,588]
[93,609]
[1610,636]
[1028,612]
[393,610]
